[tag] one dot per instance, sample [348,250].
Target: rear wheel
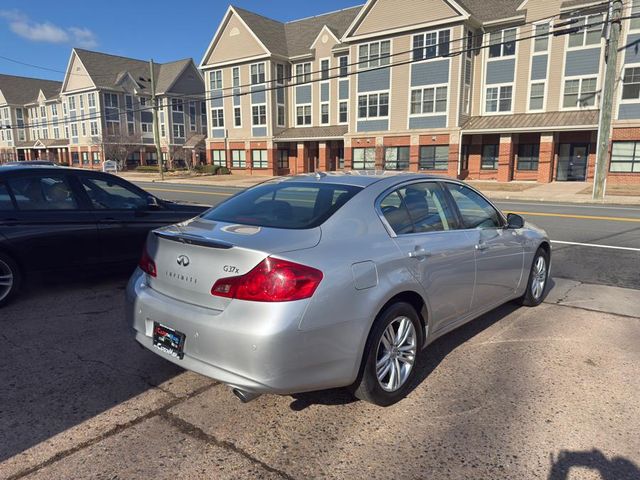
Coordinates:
[538,277]
[9,279]
[390,356]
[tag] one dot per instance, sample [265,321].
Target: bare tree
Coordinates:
[120,146]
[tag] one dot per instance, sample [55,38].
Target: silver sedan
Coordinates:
[330,280]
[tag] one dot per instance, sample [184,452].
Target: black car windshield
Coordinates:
[284,205]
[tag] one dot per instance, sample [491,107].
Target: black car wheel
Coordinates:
[9,278]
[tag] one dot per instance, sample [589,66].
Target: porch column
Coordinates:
[546,158]
[300,164]
[323,156]
[505,158]
[143,158]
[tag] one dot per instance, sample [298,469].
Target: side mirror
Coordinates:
[152,203]
[514,221]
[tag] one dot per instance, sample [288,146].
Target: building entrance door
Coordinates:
[572,162]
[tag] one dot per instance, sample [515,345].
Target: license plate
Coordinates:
[168,340]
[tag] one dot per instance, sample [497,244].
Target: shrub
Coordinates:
[147,169]
[207,169]
[224,171]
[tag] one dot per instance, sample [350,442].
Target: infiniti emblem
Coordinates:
[183,261]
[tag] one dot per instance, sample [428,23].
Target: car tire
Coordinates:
[10,279]
[538,279]
[372,385]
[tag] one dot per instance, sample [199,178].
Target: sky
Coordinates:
[42,32]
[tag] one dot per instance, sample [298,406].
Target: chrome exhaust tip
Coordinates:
[244,396]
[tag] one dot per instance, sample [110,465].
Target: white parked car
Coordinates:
[110,166]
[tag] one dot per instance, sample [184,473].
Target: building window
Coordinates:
[364,159]
[91,98]
[428,100]
[74,130]
[237,117]
[75,158]
[528,156]
[85,158]
[81,97]
[324,69]
[502,43]
[217,117]
[235,77]
[434,157]
[56,132]
[489,159]
[215,80]
[343,61]
[219,157]
[591,35]
[375,54]
[283,158]
[146,127]
[430,45]
[178,130]
[631,84]
[374,105]
[541,42]
[177,105]
[344,112]
[396,158]
[324,113]
[303,72]
[259,159]
[192,116]
[95,158]
[83,129]
[238,159]
[579,93]
[72,100]
[54,110]
[625,157]
[93,126]
[536,97]
[257,73]
[303,115]
[281,116]
[259,114]
[499,99]
[280,74]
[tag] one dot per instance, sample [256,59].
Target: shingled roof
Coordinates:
[23,90]
[578,119]
[295,38]
[107,70]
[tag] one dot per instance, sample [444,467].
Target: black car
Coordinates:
[58,218]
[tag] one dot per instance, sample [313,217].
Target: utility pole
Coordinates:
[606,106]
[156,126]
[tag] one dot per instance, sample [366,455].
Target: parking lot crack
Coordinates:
[199,434]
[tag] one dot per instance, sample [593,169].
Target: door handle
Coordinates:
[482,246]
[419,253]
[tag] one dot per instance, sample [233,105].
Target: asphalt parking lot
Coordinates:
[549,392]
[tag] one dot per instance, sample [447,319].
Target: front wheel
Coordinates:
[390,356]
[538,277]
[9,279]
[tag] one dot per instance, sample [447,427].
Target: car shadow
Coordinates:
[431,357]
[68,356]
[615,468]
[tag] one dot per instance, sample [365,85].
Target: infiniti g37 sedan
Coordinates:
[330,280]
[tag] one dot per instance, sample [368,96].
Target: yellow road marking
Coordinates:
[579,217]
[195,192]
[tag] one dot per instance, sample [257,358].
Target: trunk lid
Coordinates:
[191,256]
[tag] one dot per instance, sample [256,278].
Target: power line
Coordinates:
[124,112]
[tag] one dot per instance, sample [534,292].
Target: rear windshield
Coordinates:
[284,205]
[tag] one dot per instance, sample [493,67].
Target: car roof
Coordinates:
[359,178]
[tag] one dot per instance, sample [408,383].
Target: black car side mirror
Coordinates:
[152,203]
[514,221]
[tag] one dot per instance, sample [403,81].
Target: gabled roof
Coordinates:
[23,90]
[295,38]
[107,71]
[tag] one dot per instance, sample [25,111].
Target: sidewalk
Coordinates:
[565,192]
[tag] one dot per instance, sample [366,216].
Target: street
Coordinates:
[592,243]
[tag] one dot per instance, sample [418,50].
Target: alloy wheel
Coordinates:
[6,280]
[539,277]
[396,354]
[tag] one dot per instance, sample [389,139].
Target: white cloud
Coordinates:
[23,26]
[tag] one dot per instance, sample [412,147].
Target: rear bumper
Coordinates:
[254,346]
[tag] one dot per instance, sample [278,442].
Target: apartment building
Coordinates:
[102,110]
[26,105]
[475,89]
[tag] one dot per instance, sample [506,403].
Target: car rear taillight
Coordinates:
[147,264]
[272,280]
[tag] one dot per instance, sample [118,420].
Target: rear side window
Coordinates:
[5,199]
[43,193]
[284,205]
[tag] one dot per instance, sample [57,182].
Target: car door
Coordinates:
[499,251]
[124,215]
[440,257]
[51,227]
